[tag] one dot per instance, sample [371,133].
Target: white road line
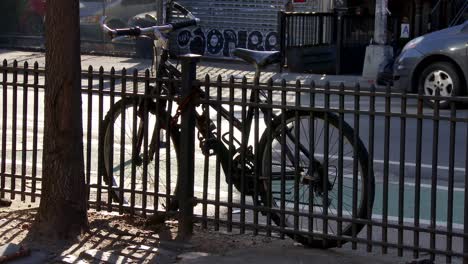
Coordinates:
[397,163]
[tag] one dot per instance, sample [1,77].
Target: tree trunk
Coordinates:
[63,207]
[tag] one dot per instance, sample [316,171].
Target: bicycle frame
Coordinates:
[221,148]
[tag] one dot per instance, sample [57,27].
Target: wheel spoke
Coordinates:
[159,177]
[312,190]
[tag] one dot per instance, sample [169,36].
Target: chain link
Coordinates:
[182,106]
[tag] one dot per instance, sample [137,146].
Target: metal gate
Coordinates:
[327,42]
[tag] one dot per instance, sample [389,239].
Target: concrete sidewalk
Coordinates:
[289,255]
[211,67]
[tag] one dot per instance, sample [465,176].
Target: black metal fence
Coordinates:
[382,172]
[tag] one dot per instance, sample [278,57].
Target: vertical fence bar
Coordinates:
[170,128]
[435,157]
[268,117]
[341,121]
[122,139]
[417,177]
[35,131]
[146,101]
[206,169]
[243,152]
[89,128]
[110,164]
[386,169]
[101,167]
[326,152]
[356,153]
[297,159]
[187,141]
[283,158]
[231,153]
[14,129]
[24,130]
[4,128]
[218,164]
[453,126]
[134,141]
[370,168]
[173,89]
[312,166]
[157,147]
[257,151]
[401,179]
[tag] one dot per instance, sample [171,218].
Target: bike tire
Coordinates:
[269,180]
[161,175]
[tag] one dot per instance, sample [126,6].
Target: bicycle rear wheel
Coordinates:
[140,157]
[293,180]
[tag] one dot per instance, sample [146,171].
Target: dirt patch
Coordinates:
[124,235]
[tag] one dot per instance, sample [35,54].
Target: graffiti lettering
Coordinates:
[198,42]
[230,42]
[255,41]
[215,42]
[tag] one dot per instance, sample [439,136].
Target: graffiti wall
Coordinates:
[227,24]
[221,42]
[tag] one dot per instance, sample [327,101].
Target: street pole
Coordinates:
[378,53]
[380,36]
[185,180]
[160,12]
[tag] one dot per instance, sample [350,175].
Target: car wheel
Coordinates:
[441,76]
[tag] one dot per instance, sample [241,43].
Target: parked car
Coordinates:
[436,61]
[118,12]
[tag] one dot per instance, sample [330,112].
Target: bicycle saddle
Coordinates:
[258,58]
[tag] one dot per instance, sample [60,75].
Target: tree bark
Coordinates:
[63,207]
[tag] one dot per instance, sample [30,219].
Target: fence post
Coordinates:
[185,180]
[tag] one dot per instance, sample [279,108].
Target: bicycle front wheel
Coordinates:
[304,177]
[140,157]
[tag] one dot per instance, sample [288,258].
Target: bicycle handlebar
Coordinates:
[183,24]
[133,31]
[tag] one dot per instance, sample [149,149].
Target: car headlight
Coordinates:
[413,43]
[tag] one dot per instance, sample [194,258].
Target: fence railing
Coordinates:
[383,172]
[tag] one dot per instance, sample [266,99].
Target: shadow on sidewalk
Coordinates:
[111,238]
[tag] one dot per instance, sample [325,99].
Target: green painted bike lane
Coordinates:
[442,203]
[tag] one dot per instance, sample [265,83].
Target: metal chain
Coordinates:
[182,106]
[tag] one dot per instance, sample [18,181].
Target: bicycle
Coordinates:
[287,170]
